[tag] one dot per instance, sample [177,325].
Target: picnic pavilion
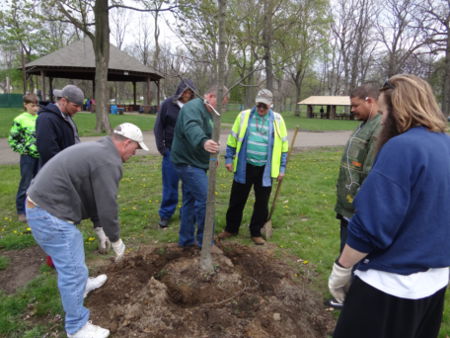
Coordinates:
[77,61]
[330,102]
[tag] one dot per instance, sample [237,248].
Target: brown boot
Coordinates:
[258,240]
[225,235]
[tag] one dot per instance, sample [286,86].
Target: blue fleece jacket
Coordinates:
[402,215]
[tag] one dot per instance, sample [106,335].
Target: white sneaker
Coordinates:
[90,330]
[94,283]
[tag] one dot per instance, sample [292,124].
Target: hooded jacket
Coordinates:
[53,132]
[167,117]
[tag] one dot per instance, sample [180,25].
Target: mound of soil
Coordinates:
[162,292]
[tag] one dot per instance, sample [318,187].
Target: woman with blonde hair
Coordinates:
[398,238]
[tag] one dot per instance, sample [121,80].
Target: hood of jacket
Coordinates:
[182,86]
[51,108]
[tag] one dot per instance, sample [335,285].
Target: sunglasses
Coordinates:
[387,85]
[261,106]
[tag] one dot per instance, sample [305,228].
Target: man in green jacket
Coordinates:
[358,156]
[191,149]
[359,153]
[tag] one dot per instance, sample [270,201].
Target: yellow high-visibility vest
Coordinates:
[280,142]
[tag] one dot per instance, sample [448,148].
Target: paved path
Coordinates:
[304,140]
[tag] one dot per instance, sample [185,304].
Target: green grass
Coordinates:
[4,262]
[86,122]
[304,226]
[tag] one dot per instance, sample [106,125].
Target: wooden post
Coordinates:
[330,113]
[158,99]
[134,92]
[333,112]
[309,111]
[50,84]
[43,85]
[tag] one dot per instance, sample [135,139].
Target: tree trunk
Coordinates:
[206,261]
[24,75]
[267,43]
[101,47]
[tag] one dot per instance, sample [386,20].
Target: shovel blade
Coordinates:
[266,230]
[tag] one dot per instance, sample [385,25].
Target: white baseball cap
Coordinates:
[132,132]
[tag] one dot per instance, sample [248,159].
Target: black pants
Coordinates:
[371,313]
[239,196]
[343,233]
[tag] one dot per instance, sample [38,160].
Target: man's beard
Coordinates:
[388,131]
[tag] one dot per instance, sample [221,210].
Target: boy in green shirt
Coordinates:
[22,139]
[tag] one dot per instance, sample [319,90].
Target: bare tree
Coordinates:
[434,20]
[352,44]
[397,32]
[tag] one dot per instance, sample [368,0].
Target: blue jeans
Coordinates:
[64,243]
[170,181]
[195,193]
[28,169]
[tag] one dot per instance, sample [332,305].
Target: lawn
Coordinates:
[86,121]
[304,226]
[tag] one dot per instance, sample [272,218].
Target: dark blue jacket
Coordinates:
[167,118]
[53,133]
[402,215]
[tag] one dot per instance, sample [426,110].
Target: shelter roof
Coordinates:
[77,61]
[327,101]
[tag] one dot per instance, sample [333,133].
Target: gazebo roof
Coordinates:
[327,101]
[77,61]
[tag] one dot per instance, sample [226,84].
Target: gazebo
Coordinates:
[77,61]
[331,102]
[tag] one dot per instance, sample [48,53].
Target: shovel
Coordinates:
[266,230]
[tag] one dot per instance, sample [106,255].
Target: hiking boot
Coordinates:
[22,218]
[258,240]
[94,283]
[224,235]
[164,223]
[90,330]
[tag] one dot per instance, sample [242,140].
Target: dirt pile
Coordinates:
[162,292]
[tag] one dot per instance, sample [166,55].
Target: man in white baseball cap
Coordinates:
[78,183]
[131,132]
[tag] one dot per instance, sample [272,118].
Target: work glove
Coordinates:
[339,282]
[104,244]
[119,249]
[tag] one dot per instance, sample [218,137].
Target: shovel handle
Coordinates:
[277,192]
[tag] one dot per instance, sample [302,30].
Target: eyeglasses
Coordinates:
[261,106]
[387,85]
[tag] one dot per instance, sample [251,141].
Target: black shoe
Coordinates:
[334,304]
[163,223]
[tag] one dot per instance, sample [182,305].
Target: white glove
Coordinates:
[104,244]
[339,282]
[119,249]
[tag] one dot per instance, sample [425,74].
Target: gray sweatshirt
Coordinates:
[81,182]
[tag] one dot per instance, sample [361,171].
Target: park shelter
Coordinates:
[330,102]
[77,61]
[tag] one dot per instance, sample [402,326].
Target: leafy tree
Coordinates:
[22,34]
